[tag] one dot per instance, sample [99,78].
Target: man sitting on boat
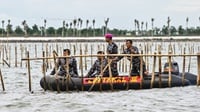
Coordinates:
[98,66]
[130,49]
[61,62]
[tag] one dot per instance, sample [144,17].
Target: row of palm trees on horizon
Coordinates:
[77,24]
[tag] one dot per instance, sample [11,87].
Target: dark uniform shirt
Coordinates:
[73,71]
[135,59]
[112,48]
[97,67]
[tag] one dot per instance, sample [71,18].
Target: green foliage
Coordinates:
[90,32]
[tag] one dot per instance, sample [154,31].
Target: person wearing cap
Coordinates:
[112,48]
[61,62]
[130,49]
[98,66]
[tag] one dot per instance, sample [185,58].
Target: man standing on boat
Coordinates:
[130,49]
[112,48]
[72,65]
[98,66]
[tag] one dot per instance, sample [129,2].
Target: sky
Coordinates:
[120,12]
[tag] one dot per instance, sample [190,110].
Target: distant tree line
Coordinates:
[76,29]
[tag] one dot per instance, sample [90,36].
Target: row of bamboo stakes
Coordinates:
[159,55]
[5,55]
[5,52]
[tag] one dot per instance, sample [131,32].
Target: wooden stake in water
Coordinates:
[35,50]
[183,73]
[15,56]
[170,68]
[86,50]
[198,62]
[130,72]
[160,66]
[47,54]
[141,70]
[29,71]
[153,71]
[81,67]
[2,82]
[44,70]
[56,75]
[110,75]
[190,52]
[21,48]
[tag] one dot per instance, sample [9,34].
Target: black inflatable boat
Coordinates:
[118,83]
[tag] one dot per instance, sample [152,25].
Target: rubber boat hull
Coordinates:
[118,83]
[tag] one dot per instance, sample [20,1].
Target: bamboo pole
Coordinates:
[15,56]
[56,68]
[2,82]
[160,67]
[150,55]
[21,48]
[183,73]
[170,74]
[110,75]
[3,56]
[86,50]
[47,53]
[130,71]
[91,53]
[9,60]
[6,52]
[67,74]
[81,67]
[198,62]
[44,71]
[29,71]
[153,71]
[141,70]
[35,50]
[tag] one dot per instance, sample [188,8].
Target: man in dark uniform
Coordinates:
[112,48]
[130,49]
[61,62]
[98,66]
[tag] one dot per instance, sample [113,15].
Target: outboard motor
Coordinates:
[174,69]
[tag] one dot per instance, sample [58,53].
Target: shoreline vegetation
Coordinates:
[78,30]
[87,28]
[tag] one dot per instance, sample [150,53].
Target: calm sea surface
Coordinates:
[18,98]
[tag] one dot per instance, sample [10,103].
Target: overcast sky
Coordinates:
[121,12]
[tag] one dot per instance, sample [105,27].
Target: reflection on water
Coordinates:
[18,98]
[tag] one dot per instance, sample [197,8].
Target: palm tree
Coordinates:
[168,25]
[2,27]
[81,23]
[152,24]
[142,23]
[78,26]
[187,20]
[87,22]
[93,23]
[63,29]
[25,28]
[138,27]
[135,22]
[45,24]
[74,23]
[146,27]
[67,25]
[8,28]
[106,25]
